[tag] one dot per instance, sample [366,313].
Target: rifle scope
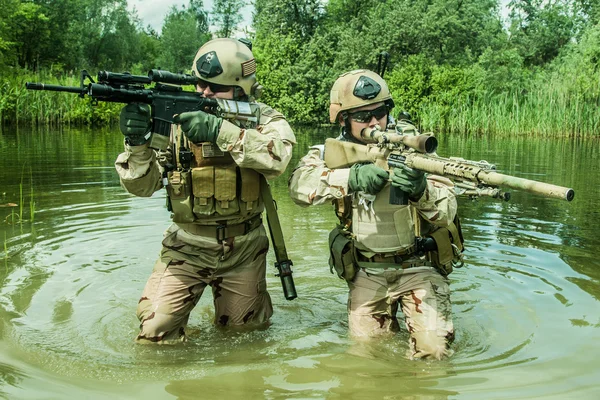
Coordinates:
[158,75]
[124,78]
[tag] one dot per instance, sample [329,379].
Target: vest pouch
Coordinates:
[206,154]
[203,188]
[442,258]
[226,190]
[405,228]
[342,254]
[250,191]
[179,190]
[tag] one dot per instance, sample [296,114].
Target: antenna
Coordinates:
[382,62]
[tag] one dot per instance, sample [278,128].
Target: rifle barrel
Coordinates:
[513,182]
[54,88]
[476,174]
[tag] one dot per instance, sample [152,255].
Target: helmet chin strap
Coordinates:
[239,94]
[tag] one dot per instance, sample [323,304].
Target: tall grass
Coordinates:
[551,104]
[536,113]
[19,105]
[5,254]
[19,217]
[548,106]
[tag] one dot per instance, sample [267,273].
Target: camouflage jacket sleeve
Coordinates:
[312,182]
[438,203]
[266,149]
[138,170]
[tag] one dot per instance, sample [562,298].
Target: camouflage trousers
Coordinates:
[234,269]
[424,297]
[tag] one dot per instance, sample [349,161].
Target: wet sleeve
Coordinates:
[312,183]
[138,170]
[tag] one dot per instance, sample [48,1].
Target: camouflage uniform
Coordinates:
[193,257]
[411,283]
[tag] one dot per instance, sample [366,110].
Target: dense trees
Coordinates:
[183,32]
[446,55]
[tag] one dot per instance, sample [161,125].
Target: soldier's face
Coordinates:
[214,91]
[366,116]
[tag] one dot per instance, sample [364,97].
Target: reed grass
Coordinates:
[31,201]
[558,105]
[14,218]
[5,254]
[19,105]
[544,109]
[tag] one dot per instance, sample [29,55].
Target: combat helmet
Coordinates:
[227,62]
[357,88]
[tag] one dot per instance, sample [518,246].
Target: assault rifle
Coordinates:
[166,98]
[393,149]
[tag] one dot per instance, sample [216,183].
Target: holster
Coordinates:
[342,254]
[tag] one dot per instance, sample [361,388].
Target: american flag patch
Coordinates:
[248,67]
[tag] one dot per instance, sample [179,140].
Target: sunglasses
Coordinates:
[214,87]
[367,115]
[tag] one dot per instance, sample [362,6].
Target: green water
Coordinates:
[526,305]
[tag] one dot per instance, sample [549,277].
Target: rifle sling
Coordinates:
[273,221]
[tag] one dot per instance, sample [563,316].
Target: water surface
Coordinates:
[526,305]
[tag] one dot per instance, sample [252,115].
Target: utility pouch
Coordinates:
[250,191]
[342,254]
[203,187]
[209,154]
[449,242]
[442,257]
[179,190]
[226,190]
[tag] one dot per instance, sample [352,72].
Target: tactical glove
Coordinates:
[199,126]
[367,178]
[410,181]
[135,123]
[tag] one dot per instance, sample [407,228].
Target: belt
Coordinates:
[223,231]
[380,260]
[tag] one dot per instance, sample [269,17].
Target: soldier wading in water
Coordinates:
[212,171]
[374,247]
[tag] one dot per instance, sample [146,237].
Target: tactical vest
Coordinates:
[214,188]
[380,227]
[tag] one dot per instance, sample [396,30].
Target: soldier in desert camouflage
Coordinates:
[373,248]
[212,171]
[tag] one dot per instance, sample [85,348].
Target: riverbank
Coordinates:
[549,111]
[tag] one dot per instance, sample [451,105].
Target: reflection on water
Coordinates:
[525,305]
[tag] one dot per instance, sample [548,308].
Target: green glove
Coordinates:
[199,126]
[410,181]
[367,178]
[135,123]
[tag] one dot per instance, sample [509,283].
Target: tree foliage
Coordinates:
[67,35]
[455,54]
[183,32]
[226,16]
